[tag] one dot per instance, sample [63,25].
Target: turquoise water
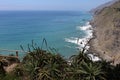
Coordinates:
[21,27]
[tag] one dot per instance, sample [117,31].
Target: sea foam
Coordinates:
[81,42]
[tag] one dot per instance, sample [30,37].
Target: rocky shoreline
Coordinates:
[106,33]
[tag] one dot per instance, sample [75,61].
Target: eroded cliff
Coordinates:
[106,27]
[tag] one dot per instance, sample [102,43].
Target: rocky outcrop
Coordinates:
[106,27]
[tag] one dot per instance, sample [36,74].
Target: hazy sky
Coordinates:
[78,5]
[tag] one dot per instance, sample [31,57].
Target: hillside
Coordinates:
[99,8]
[106,27]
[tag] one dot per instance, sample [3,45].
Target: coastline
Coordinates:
[81,42]
[105,40]
[92,49]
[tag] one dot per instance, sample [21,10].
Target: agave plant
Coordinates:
[44,74]
[43,64]
[90,71]
[35,60]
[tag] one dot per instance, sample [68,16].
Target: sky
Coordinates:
[75,5]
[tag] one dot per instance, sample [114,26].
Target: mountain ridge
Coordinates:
[99,8]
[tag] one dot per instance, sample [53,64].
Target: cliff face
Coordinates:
[106,27]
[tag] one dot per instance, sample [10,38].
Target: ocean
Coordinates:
[63,30]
